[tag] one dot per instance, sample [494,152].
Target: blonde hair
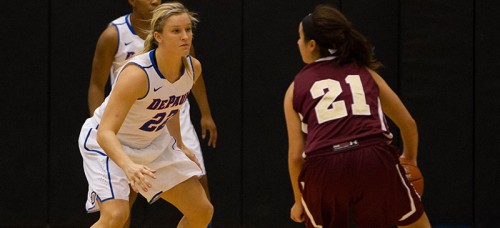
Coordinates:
[160,14]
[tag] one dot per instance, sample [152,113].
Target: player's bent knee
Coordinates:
[114,218]
[118,215]
[207,212]
[210,211]
[204,213]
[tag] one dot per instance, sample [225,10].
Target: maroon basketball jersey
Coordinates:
[337,104]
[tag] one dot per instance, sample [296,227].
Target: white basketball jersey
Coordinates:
[129,43]
[148,115]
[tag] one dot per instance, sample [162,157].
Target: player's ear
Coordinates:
[132,3]
[157,37]
[312,44]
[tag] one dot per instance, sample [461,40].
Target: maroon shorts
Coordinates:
[364,185]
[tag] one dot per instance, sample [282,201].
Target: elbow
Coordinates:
[295,156]
[409,125]
[408,121]
[100,137]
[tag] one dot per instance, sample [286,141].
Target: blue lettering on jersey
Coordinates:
[160,119]
[172,101]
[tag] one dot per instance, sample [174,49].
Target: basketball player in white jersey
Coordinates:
[122,39]
[124,143]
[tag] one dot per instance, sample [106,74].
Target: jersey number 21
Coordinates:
[328,108]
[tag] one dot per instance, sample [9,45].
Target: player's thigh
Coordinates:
[204,183]
[188,196]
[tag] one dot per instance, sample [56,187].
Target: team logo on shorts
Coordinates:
[93,196]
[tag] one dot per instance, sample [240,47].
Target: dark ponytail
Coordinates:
[335,35]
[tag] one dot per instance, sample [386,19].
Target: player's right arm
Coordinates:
[395,109]
[295,149]
[104,55]
[130,86]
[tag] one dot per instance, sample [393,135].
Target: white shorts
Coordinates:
[107,181]
[189,136]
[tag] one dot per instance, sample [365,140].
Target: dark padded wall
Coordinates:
[270,61]
[24,115]
[75,27]
[487,107]
[379,22]
[437,86]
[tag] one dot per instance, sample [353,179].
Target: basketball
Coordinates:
[415,177]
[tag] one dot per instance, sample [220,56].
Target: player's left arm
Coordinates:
[200,94]
[295,149]
[173,126]
[394,108]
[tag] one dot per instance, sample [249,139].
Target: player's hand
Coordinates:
[407,161]
[404,162]
[208,124]
[191,156]
[297,212]
[137,174]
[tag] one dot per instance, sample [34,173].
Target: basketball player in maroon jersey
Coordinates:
[342,167]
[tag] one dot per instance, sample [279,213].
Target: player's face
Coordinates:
[303,48]
[177,34]
[144,7]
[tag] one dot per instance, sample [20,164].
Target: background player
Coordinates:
[349,169]
[125,37]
